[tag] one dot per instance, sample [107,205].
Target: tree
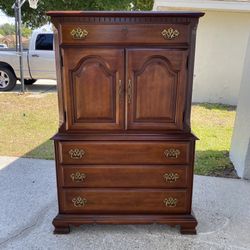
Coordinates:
[9,29]
[35,18]
[26,32]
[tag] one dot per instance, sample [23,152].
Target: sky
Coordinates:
[5,19]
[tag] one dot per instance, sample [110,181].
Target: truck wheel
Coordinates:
[29,81]
[7,79]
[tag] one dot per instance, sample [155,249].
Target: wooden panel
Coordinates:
[156,85]
[124,152]
[97,84]
[125,34]
[94,80]
[125,176]
[124,201]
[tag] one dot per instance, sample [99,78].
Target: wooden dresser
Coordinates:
[124,150]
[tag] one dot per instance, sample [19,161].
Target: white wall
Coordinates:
[220,52]
[240,147]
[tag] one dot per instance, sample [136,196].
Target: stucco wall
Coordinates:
[240,147]
[220,52]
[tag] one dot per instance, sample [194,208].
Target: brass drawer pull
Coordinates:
[170,33]
[170,202]
[79,33]
[171,177]
[172,153]
[79,201]
[129,90]
[78,177]
[76,153]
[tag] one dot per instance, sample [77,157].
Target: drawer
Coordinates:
[134,176]
[125,34]
[124,152]
[125,201]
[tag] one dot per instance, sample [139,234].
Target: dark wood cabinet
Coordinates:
[124,150]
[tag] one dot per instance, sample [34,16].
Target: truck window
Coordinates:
[44,42]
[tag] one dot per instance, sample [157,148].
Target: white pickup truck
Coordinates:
[38,61]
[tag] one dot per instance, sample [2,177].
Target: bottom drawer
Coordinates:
[123,201]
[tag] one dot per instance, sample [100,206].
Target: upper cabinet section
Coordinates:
[127,28]
[125,72]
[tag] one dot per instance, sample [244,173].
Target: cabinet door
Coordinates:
[94,88]
[156,87]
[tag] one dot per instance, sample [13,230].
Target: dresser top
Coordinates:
[124,14]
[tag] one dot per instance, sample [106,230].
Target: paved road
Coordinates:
[28,203]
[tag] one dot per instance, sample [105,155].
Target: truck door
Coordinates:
[42,57]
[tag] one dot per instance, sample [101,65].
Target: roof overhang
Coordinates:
[231,6]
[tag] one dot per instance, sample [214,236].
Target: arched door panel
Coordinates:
[94,79]
[156,85]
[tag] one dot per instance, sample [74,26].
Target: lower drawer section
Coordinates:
[133,176]
[125,201]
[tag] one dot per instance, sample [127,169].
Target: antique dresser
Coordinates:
[124,149]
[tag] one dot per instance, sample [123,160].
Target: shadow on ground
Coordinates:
[216,106]
[40,86]
[214,163]
[43,151]
[29,204]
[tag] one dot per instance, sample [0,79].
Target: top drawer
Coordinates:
[124,152]
[125,34]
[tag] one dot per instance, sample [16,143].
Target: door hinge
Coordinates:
[64,115]
[61,57]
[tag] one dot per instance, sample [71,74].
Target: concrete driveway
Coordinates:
[40,86]
[29,203]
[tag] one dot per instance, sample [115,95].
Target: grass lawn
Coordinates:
[28,121]
[213,125]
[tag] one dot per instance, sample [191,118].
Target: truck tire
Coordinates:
[7,79]
[29,81]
